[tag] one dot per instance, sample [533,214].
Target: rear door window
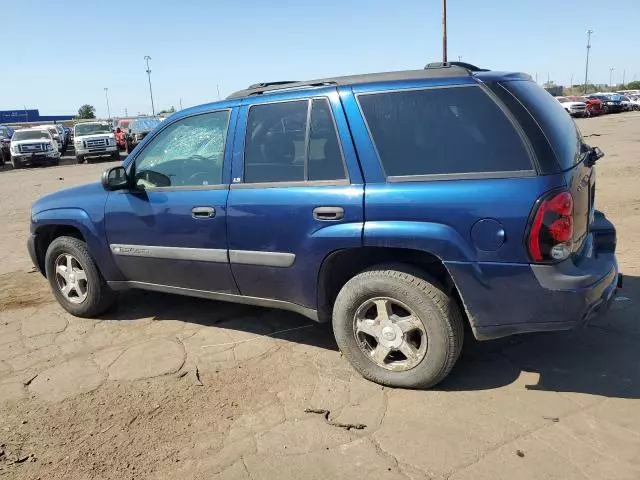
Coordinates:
[440,131]
[285,144]
[558,127]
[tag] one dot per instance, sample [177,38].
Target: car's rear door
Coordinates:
[171,228]
[296,195]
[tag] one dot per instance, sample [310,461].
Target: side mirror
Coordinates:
[115,178]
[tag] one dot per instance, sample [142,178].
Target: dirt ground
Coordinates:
[169,387]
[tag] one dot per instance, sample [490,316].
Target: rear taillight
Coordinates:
[551,230]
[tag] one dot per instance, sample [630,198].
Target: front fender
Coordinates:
[92,231]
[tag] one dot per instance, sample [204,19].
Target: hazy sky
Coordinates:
[60,55]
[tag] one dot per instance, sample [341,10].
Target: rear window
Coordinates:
[442,131]
[559,128]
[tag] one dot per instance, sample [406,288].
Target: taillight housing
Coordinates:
[551,230]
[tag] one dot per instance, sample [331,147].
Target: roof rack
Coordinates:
[270,84]
[447,70]
[467,66]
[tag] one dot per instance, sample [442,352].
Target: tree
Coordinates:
[168,112]
[86,111]
[633,85]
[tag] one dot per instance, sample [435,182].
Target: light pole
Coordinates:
[153,108]
[586,70]
[444,31]
[611,69]
[106,96]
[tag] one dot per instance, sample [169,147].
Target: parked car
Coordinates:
[627,106]
[122,128]
[63,138]
[5,143]
[635,102]
[398,206]
[138,129]
[94,139]
[610,104]
[594,106]
[34,146]
[55,134]
[575,108]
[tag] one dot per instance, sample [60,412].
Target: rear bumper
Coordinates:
[508,299]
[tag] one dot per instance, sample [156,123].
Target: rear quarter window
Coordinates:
[556,124]
[436,131]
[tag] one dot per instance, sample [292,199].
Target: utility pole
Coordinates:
[571,83]
[218,89]
[126,113]
[624,74]
[459,58]
[153,108]
[586,70]
[548,79]
[536,77]
[611,69]
[180,103]
[444,31]
[106,96]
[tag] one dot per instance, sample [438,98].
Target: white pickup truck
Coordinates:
[32,146]
[575,109]
[94,139]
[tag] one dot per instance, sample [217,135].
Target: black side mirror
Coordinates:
[115,178]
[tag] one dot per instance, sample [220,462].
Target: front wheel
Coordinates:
[74,278]
[116,155]
[79,159]
[397,327]
[15,163]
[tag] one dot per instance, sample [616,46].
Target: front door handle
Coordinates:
[328,213]
[203,212]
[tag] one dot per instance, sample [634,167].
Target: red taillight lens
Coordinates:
[552,228]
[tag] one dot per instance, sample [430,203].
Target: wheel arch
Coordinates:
[342,265]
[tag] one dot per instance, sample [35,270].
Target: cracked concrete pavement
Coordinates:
[119,397]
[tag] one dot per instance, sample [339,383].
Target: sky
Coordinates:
[61,55]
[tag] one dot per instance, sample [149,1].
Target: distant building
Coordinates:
[24,116]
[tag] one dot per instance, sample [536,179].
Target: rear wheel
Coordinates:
[397,327]
[74,278]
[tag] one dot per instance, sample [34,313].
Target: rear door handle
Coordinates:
[328,213]
[203,212]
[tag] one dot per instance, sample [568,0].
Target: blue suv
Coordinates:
[404,207]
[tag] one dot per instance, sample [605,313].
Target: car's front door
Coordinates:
[296,197]
[171,227]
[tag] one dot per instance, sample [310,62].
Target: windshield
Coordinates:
[144,124]
[31,135]
[91,129]
[4,132]
[559,127]
[563,99]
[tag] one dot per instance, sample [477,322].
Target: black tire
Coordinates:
[437,311]
[79,159]
[99,296]
[55,162]
[116,155]
[15,163]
